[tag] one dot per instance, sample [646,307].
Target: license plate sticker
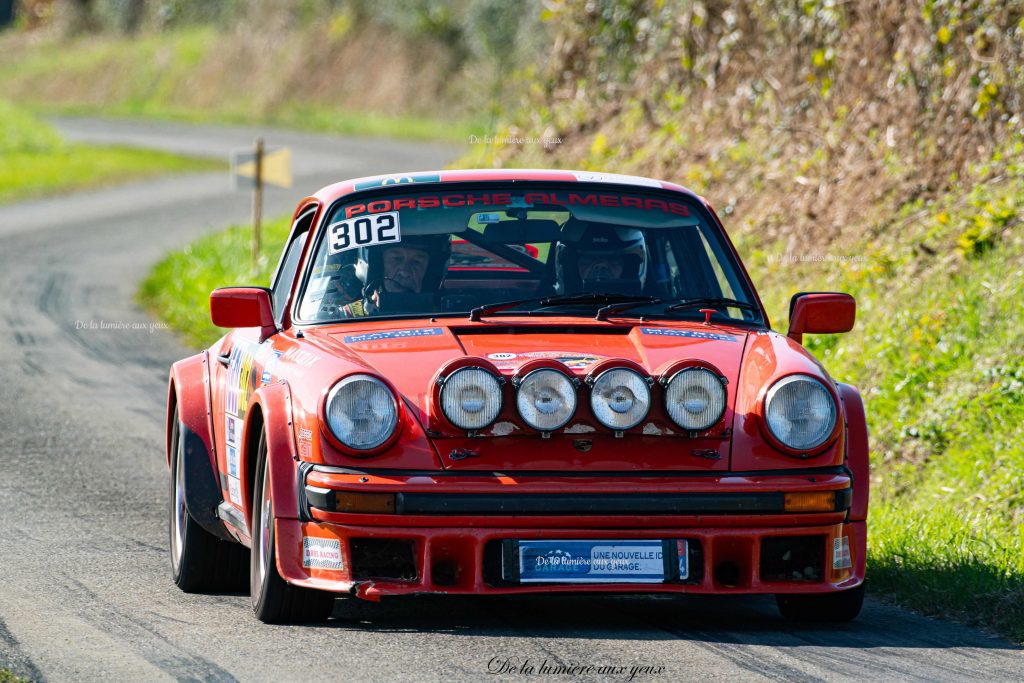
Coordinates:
[594,561]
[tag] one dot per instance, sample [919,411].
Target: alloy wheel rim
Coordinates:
[266,522]
[179,513]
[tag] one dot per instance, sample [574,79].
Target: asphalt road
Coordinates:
[85,591]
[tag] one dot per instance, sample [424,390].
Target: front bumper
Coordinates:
[449,534]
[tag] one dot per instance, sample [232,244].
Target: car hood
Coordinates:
[409,355]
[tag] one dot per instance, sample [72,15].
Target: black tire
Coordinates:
[273,600]
[822,607]
[200,561]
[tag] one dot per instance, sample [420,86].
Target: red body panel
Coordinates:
[190,388]
[464,548]
[858,457]
[285,379]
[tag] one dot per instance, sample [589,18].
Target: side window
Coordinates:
[286,267]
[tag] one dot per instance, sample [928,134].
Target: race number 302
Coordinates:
[364,231]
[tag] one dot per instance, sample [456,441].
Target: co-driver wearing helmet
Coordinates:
[600,258]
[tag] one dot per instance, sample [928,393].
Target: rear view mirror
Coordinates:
[820,313]
[522,232]
[243,307]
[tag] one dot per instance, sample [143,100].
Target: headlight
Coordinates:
[695,399]
[620,398]
[361,412]
[471,398]
[546,399]
[800,412]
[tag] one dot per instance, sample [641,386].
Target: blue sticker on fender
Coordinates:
[393,334]
[662,332]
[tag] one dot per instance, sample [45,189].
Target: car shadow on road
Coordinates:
[709,619]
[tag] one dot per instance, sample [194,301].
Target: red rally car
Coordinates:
[501,382]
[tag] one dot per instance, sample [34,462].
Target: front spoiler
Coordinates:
[464,554]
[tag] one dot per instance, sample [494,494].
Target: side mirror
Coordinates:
[820,313]
[243,307]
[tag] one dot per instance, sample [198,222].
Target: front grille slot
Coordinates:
[383,558]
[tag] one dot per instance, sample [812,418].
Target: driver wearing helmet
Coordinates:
[401,277]
[596,257]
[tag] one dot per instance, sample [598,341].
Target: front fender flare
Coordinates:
[275,407]
[858,457]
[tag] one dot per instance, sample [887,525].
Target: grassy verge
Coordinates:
[6,676]
[178,288]
[37,162]
[200,75]
[937,354]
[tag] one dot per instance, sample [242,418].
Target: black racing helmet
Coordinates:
[597,240]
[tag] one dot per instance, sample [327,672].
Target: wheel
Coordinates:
[273,600]
[831,607]
[199,560]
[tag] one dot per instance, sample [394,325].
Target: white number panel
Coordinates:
[364,231]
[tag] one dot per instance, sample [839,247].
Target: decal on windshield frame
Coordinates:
[552,198]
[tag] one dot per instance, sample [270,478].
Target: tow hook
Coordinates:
[707,453]
[463,453]
[366,591]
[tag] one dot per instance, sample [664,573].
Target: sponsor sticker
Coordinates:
[591,561]
[233,461]
[321,553]
[364,231]
[232,430]
[458,200]
[241,381]
[305,443]
[691,334]
[841,553]
[300,356]
[398,180]
[585,177]
[393,334]
[573,359]
[235,490]
[268,368]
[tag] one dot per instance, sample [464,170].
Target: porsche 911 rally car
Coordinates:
[503,382]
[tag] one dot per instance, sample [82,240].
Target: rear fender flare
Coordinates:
[189,391]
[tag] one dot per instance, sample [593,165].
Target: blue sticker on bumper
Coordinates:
[594,561]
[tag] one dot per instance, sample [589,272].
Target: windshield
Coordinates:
[451,250]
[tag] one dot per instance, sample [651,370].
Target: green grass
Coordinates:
[937,354]
[6,676]
[155,76]
[178,288]
[34,161]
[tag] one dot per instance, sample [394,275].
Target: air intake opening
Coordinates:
[383,558]
[793,558]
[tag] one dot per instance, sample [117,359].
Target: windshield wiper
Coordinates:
[678,306]
[584,298]
[711,301]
